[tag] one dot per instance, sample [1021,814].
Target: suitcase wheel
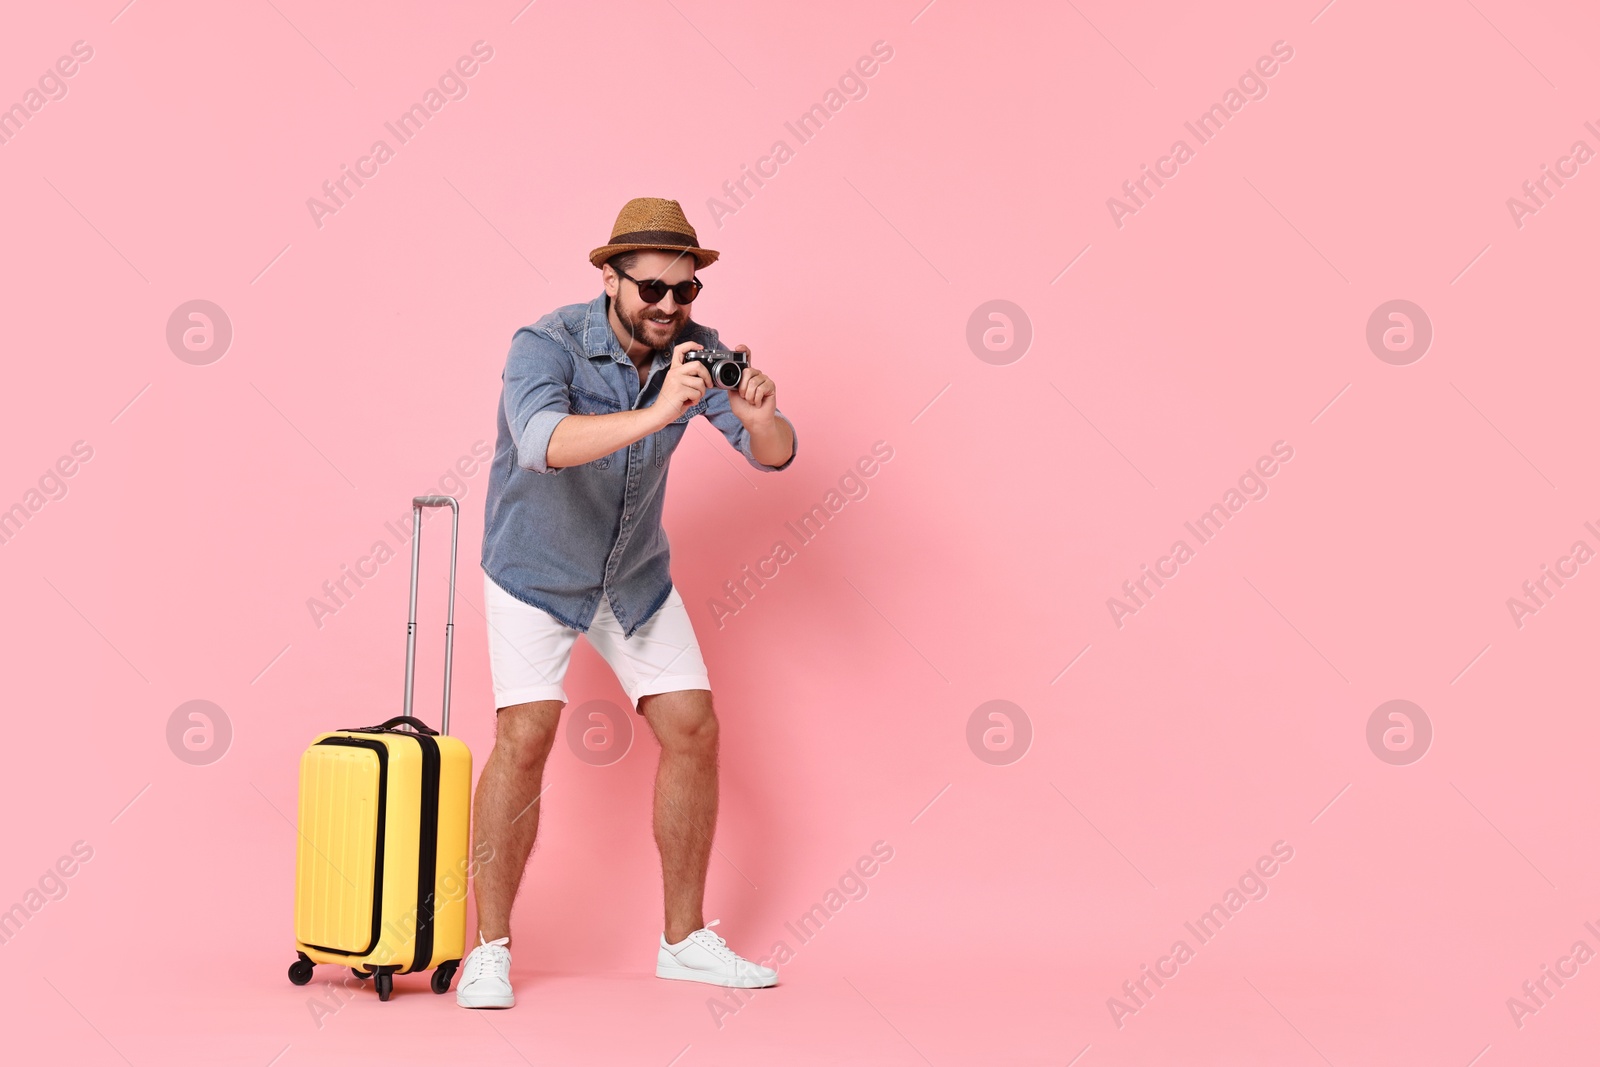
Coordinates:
[300,970]
[385,983]
[442,975]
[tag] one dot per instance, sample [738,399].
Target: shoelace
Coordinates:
[487,951]
[714,942]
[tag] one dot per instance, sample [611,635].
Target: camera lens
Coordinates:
[729,373]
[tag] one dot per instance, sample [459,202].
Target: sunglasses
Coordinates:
[653,290]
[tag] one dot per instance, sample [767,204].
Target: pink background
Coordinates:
[1227,314]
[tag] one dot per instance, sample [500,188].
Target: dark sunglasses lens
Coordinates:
[653,290]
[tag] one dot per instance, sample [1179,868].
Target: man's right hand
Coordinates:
[682,386]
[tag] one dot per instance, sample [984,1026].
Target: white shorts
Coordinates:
[529,649]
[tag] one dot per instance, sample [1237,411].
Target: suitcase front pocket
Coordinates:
[338,893]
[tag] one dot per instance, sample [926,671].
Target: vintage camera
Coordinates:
[727,368]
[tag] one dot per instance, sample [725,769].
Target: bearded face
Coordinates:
[658,325]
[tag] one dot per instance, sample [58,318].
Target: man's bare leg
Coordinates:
[505,815]
[685,814]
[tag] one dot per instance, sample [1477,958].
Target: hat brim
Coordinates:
[703,257]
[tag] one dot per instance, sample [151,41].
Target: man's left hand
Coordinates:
[755,400]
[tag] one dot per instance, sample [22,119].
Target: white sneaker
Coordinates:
[705,957]
[486,976]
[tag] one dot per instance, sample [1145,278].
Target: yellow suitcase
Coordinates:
[382,870]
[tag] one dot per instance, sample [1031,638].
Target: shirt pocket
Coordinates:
[689,413]
[584,402]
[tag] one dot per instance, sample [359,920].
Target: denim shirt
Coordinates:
[559,537]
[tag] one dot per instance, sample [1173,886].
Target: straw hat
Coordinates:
[648,222]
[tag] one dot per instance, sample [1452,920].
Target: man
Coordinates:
[595,398]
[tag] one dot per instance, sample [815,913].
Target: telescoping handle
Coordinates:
[417,504]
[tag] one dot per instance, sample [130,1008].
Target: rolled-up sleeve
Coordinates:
[723,418]
[538,374]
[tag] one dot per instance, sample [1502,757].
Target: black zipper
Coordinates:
[427,851]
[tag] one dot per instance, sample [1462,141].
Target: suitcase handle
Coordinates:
[416,724]
[389,727]
[417,504]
